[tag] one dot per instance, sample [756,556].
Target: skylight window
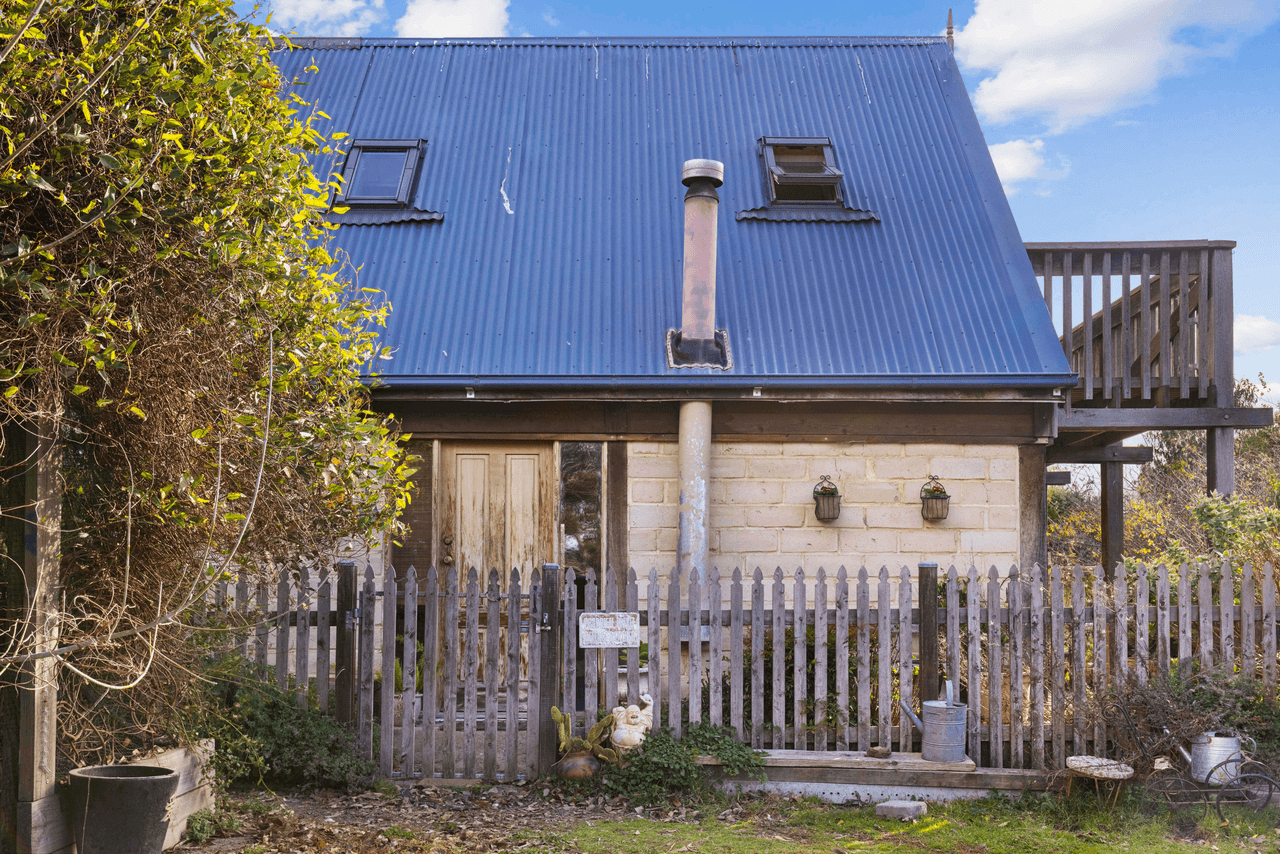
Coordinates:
[381,172]
[800,170]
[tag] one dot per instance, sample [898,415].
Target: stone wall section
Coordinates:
[762,509]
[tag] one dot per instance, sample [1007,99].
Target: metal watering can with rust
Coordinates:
[943,727]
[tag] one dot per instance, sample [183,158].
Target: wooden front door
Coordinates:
[497,507]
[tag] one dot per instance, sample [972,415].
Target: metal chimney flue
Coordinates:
[697,346]
[701,208]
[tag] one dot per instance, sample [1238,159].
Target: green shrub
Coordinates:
[659,768]
[304,746]
[663,767]
[205,824]
[1260,720]
[735,757]
[263,737]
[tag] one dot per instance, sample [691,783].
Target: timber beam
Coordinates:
[1108,454]
[1140,420]
[1057,478]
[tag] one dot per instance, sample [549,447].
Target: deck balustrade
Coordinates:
[1143,324]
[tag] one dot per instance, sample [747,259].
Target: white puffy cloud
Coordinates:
[1021,160]
[326,17]
[453,19]
[551,19]
[1072,62]
[1255,332]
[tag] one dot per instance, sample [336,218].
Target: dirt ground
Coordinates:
[431,819]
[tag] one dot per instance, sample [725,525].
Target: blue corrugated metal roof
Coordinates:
[556,165]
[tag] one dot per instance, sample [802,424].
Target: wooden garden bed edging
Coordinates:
[845,775]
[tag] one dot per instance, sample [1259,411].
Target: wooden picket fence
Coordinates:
[788,661]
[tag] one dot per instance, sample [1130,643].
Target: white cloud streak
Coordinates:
[347,18]
[1070,63]
[1255,332]
[1020,160]
[550,18]
[453,19]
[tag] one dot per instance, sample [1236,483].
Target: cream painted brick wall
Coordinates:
[762,506]
[647,491]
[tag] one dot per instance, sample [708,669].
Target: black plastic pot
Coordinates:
[121,809]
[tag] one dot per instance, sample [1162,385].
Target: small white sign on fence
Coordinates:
[608,629]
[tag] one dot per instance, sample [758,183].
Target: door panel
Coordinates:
[471,512]
[498,508]
[523,512]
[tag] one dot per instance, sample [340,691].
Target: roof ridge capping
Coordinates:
[332,43]
[283,42]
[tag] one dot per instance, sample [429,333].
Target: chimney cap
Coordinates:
[699,168]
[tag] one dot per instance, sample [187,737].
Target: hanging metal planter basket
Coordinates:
[826,500]
[934,500]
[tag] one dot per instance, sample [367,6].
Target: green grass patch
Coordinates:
[640,836]
[993,825]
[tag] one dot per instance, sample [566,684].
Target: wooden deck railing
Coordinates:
[1147,322]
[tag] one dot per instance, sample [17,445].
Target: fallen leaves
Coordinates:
[439,820]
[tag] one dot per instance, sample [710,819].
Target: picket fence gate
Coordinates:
[787,660]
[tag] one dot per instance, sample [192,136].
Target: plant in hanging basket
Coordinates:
[934,500]
[826,487]
[826,500]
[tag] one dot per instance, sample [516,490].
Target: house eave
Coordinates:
[690,387]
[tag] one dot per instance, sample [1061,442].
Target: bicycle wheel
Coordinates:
[1228,770]
[1250,790]
[1173,793]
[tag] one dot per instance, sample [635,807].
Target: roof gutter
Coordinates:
[721,382]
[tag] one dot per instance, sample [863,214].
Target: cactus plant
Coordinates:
[592,745]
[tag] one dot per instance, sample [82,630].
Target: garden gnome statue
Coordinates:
[631,724]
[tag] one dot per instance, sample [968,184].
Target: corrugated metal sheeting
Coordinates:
[556,165]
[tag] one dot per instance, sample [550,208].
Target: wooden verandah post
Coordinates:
[1220,444]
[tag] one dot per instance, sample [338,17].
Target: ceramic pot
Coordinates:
[577,766]
[121,809]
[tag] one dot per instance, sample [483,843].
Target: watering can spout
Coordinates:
[907,711]
[1177,746]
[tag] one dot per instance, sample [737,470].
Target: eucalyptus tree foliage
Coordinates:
[168,305]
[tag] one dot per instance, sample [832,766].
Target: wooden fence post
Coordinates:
[550,630]
[927,585]
[345,688]
[364,732]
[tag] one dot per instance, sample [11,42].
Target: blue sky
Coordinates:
[1108,119]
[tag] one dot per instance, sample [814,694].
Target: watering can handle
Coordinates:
[950,693]
[1254,742]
